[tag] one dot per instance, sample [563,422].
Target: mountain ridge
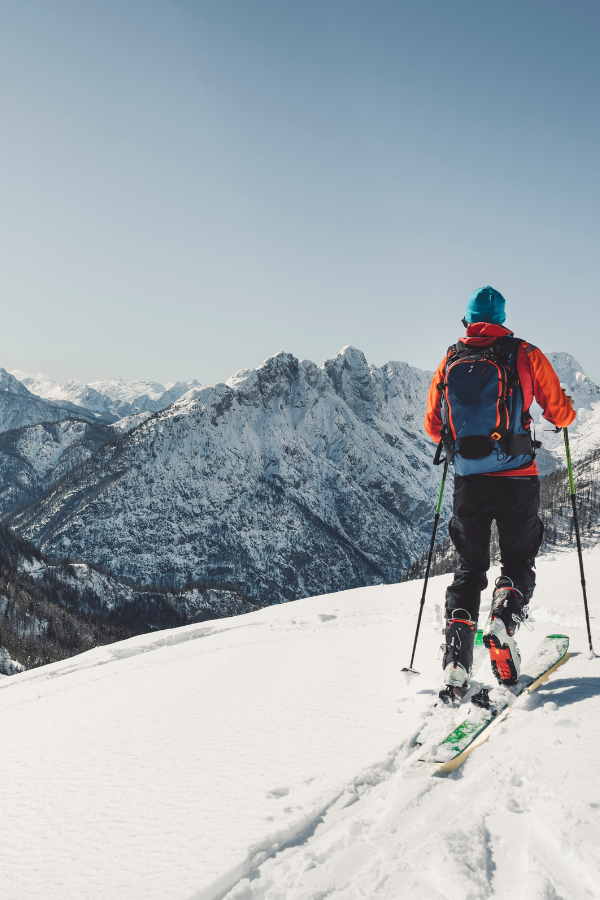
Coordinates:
[286,479]
[112,399]
[283,438]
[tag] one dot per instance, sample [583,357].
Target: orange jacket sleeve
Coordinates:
[433,415]
[547,390]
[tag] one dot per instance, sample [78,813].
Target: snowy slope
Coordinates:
[286,480]
[578,385]
[19,407]
[12,385]
[75,392]
[132,397]
[112,399]
[128,423]
[178,765]
[34,456]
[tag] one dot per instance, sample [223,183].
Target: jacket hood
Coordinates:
[483,334]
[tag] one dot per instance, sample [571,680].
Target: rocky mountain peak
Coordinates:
[351,378]
[11,384]
[583,390]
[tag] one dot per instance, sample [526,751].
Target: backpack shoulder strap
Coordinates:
[510,341]
[510,345]
[455,350]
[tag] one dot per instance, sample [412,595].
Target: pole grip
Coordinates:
[569,466]
[442,486]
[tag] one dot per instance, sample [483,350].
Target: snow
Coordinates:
[117,389]
[36,568]
[299,480]
[143,395]
[111,398]
[8,666]
[179,765]
[9,383]
[576,383]
[128,423]
[76,392]
[35,455]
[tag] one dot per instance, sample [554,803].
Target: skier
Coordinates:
[478,406]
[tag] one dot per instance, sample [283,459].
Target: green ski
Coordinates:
[480,654]
[451,752]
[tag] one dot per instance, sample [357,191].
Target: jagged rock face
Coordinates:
[31,458]
[287,481]
[10,384]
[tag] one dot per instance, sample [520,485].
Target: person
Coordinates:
[478,406]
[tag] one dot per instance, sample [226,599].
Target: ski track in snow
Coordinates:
[272,756]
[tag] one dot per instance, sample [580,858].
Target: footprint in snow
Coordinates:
[325,618]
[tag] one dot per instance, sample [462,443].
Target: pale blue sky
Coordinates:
[188,187]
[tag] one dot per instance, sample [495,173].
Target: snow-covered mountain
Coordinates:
[285,480]
[75,392]
[45,434]
[52,609]
[112,399]
[19,407]
[584,391]
[11,385]
[130,398]
[272,756]
[34,456]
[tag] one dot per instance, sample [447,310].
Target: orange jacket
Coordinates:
[538,380]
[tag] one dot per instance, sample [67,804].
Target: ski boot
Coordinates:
[458,656]
[509,610]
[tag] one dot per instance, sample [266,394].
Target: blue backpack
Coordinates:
[484,423]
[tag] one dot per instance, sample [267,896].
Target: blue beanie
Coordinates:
[485,305]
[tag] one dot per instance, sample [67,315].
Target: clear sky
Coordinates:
[188,187]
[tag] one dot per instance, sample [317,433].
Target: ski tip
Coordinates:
[409,674]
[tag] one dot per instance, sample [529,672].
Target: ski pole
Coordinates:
[576,521]
[409,670]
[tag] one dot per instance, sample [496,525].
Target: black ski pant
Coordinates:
[513,501]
